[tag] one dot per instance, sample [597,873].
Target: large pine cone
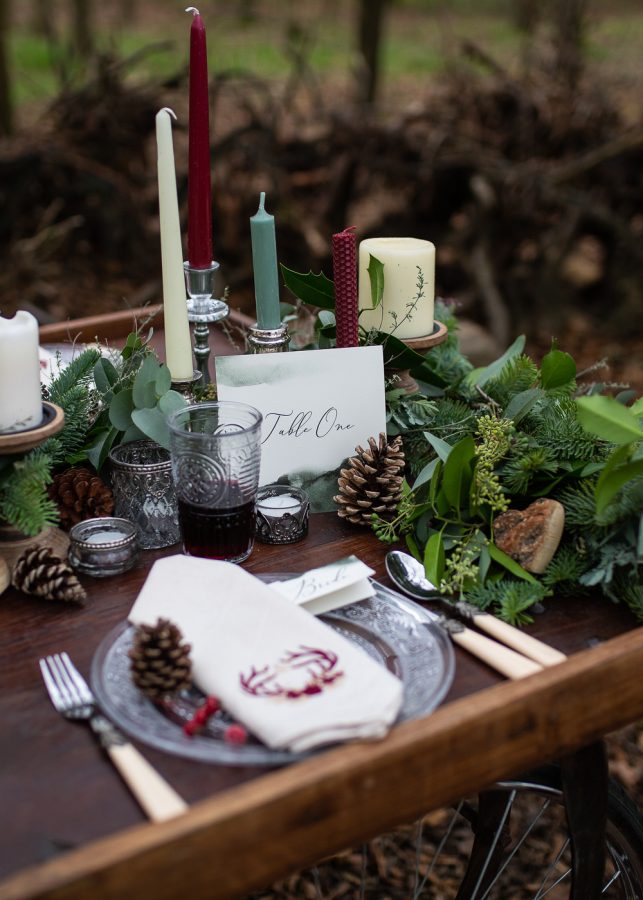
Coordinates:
[372,481]
[80,494]
[41,573]
[160,660]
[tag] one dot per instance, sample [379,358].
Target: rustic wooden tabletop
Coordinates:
[72,830]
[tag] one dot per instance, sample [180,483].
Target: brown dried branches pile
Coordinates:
[531,192]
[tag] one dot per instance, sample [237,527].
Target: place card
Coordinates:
[317,406]
[329,587]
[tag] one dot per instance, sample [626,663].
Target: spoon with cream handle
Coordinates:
[408,575]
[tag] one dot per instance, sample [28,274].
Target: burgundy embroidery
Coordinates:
[299,673]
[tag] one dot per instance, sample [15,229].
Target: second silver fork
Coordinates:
[72,698]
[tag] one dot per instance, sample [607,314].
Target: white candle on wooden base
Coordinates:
[20,395]
[409,286]
[178,346]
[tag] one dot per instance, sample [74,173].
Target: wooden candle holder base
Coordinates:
[403,377]
[53,419]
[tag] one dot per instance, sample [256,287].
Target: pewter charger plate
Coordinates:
[387,626]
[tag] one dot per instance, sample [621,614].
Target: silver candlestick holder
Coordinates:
[268,340]
[203,310]
[186,386]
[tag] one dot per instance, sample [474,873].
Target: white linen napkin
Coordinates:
[289,678]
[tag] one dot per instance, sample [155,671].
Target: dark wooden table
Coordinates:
[70,828]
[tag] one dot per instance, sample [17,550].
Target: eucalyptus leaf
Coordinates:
[163,380]
[557,369]
[153,424]
[327,317]
[120,409]
[132,434]
[637,407]
[144,394]
[171,401]
[608,419]
[376,275]
[315,290]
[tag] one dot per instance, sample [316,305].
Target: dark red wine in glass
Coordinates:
[217,533]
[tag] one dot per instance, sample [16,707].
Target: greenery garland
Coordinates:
[478,441]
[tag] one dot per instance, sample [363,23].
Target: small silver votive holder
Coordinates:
[102,547]
[281,514]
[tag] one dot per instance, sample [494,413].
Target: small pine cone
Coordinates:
[372,481]
[41,573]
[80,494]
[160,660]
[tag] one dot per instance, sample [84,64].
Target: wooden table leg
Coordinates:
[585,783]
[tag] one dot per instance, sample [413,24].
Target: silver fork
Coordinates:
[72,698]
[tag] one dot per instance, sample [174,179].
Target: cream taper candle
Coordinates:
[20,396]
[178,347]
[409,286]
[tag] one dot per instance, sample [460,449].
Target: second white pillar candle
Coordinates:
[20,395]
[402,311]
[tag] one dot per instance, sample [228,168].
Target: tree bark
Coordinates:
[6,104]
[82,32]
[569,19]
[370,27]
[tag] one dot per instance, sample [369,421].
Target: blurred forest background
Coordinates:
[509,132]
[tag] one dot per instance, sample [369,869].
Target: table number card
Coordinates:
[317,406]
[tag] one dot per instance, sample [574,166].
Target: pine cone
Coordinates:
[160,661]
[41,573]
[372,481]
[80,494]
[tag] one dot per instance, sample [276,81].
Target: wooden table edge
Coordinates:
[246,833]
[115,325]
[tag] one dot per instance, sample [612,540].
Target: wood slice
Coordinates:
[53,419]
[12,546]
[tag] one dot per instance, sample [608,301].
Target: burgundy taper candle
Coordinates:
[345,277]
[199,184]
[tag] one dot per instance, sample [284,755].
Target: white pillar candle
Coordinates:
[178,347]
[409,286]
[20,396]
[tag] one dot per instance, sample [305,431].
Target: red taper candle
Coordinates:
[345,276]
[199,184]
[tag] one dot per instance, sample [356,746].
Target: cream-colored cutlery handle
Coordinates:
[523,643]
[501,658]
[158,799]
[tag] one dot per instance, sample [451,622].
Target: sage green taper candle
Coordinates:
[264,263]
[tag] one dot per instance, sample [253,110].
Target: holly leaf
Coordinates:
[316,290]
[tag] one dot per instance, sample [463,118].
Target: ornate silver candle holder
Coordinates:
[268,340]
[186,386]
[203,310]
[281,514]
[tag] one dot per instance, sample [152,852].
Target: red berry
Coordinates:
[235,734]
[212,704]
[201,716]
[190,728]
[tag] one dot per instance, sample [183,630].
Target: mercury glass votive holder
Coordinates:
[103,546]
[281,514]
[141,475]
